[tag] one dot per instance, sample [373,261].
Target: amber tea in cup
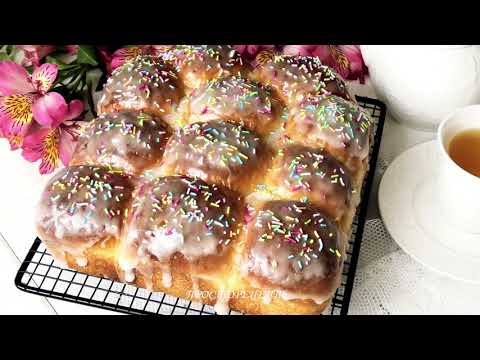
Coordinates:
[464,150]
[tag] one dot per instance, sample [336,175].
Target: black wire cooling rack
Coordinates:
[40,274]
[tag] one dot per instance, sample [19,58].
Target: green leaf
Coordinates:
[61,65]
[93,78]
[4,56]
[86,55]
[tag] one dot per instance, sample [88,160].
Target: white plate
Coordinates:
[408,203]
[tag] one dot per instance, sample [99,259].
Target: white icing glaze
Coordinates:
[295,77]
[217,151]
[144,82]
[66,225]
[267,296]
[288,295]
[278,271]
[166,276]
[221,306]
[335,121]
[128,140]
[234,99]
[196,287]
[163,244]
[300,172]
[289,242]
[81,261]
[129,275]
[80,206]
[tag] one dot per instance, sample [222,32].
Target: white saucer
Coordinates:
[408,204]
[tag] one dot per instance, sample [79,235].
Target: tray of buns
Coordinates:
[208,184]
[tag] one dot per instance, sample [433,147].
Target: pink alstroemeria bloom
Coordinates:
[55,140]
[34,53]
[23,96]
[303,50]
[121,56]
[72,49]
[347,60]
[105,57]
[250,51]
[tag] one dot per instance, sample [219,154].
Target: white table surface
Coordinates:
[21,184]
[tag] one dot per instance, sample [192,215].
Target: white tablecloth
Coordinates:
[387,282]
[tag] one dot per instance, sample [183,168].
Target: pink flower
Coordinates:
[347,60]
[55,140]
[250,51]
[34,53]
[358,69]
[121,56]
[106,58]
[72,49]
[303,50]
[23,96]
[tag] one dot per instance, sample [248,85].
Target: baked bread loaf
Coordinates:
[219,152]
[81,217]
[131,140]
[295,77]
[231,187]
[235,99]
[338,125]
[197,64]
[146,83]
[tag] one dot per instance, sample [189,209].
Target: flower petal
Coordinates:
[35,53]
[16,142]
[50,151]
[14,79]
[50,110]
[106,58]
[72,49]
[121,56]
[43,144]
[358,69]
[67,146]
[240,48]
[157,50]
[15,114]
[303,50]
[44,76]
[33,145]
[75,109]
[250,51]
[322,51]
[263,57]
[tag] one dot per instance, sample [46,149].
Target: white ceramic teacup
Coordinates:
[458,190]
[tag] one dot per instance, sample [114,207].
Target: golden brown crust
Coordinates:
[101,259]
